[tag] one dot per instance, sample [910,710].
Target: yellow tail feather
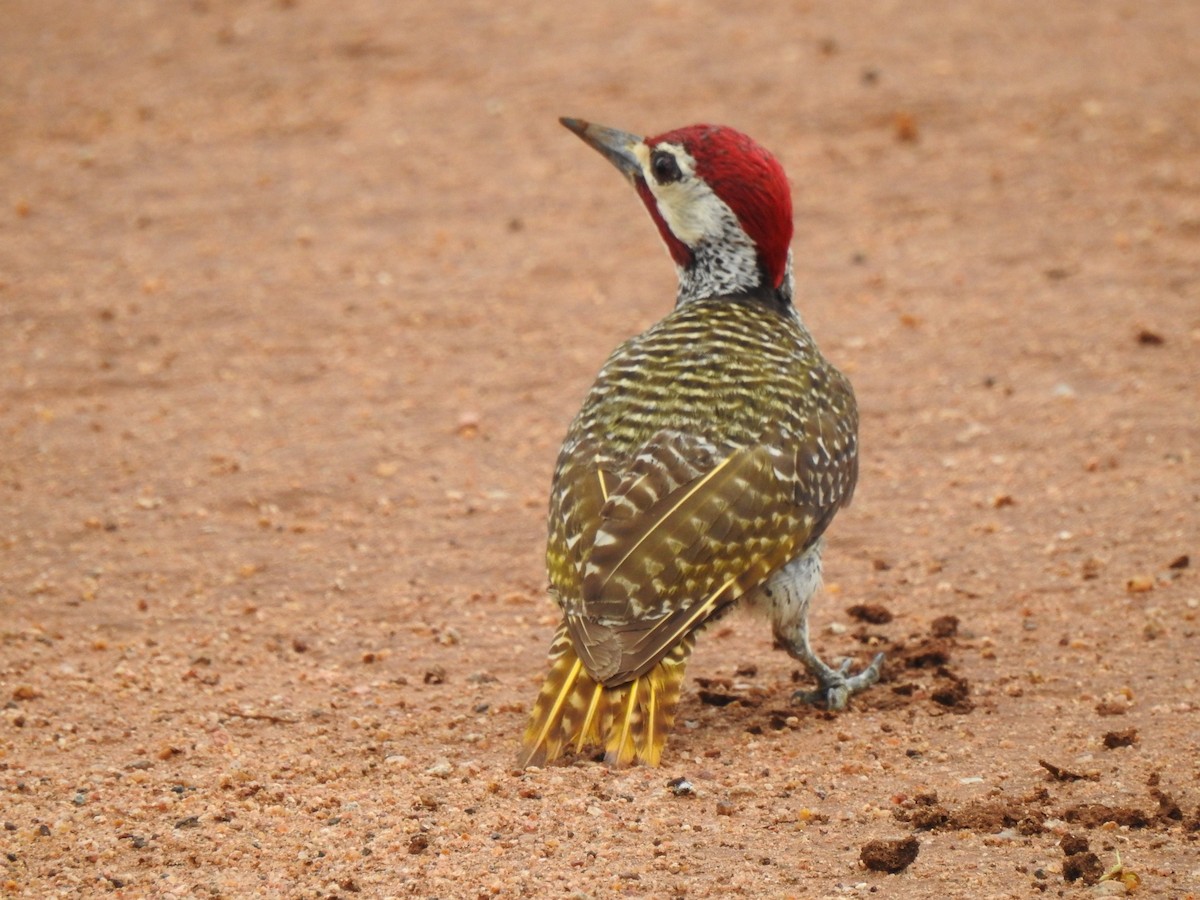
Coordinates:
[588,732]
[630,721]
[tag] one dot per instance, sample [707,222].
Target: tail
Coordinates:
[630,720]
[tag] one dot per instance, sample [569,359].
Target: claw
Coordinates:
[837,686]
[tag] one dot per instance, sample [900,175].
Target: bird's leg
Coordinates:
[788,593]
[836,686]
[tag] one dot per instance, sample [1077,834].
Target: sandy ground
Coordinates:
[296,301]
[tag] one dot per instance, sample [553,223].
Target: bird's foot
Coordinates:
[837,686]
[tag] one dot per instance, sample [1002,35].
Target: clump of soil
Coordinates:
[949,691]
[721,692]
[1058,773]
[952,692]
[925,812]
[1168,807]
[944,627]
[1093,815]
[1080,863]
[926,653]
[871,613]
[931,650]
[1125,738]
[890,856]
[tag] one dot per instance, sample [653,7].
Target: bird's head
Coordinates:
[721,203]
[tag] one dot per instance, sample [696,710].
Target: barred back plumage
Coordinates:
[711,450]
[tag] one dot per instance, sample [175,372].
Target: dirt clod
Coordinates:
[890,856]
[1072,844]
[717,698]
[1126,738]
[929,818]
[1148,338]
[1093,815]
[1085,867]
[952,692]
[927,653]
[1058,773]
[944,627]
[872,613]
[989,817]
[923,812]
[1168,807]
[1191,823]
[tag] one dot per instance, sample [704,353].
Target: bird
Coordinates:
[705,465]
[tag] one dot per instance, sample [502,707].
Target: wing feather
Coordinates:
[683,535]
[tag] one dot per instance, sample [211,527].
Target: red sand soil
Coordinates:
[296,301]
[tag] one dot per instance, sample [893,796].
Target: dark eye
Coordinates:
[664,167]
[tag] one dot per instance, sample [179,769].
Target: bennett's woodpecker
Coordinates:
[708,458]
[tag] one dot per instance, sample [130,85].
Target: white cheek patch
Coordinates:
[688,206]
[692,210]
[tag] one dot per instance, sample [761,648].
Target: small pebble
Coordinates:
[681,787]
[1064,391]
